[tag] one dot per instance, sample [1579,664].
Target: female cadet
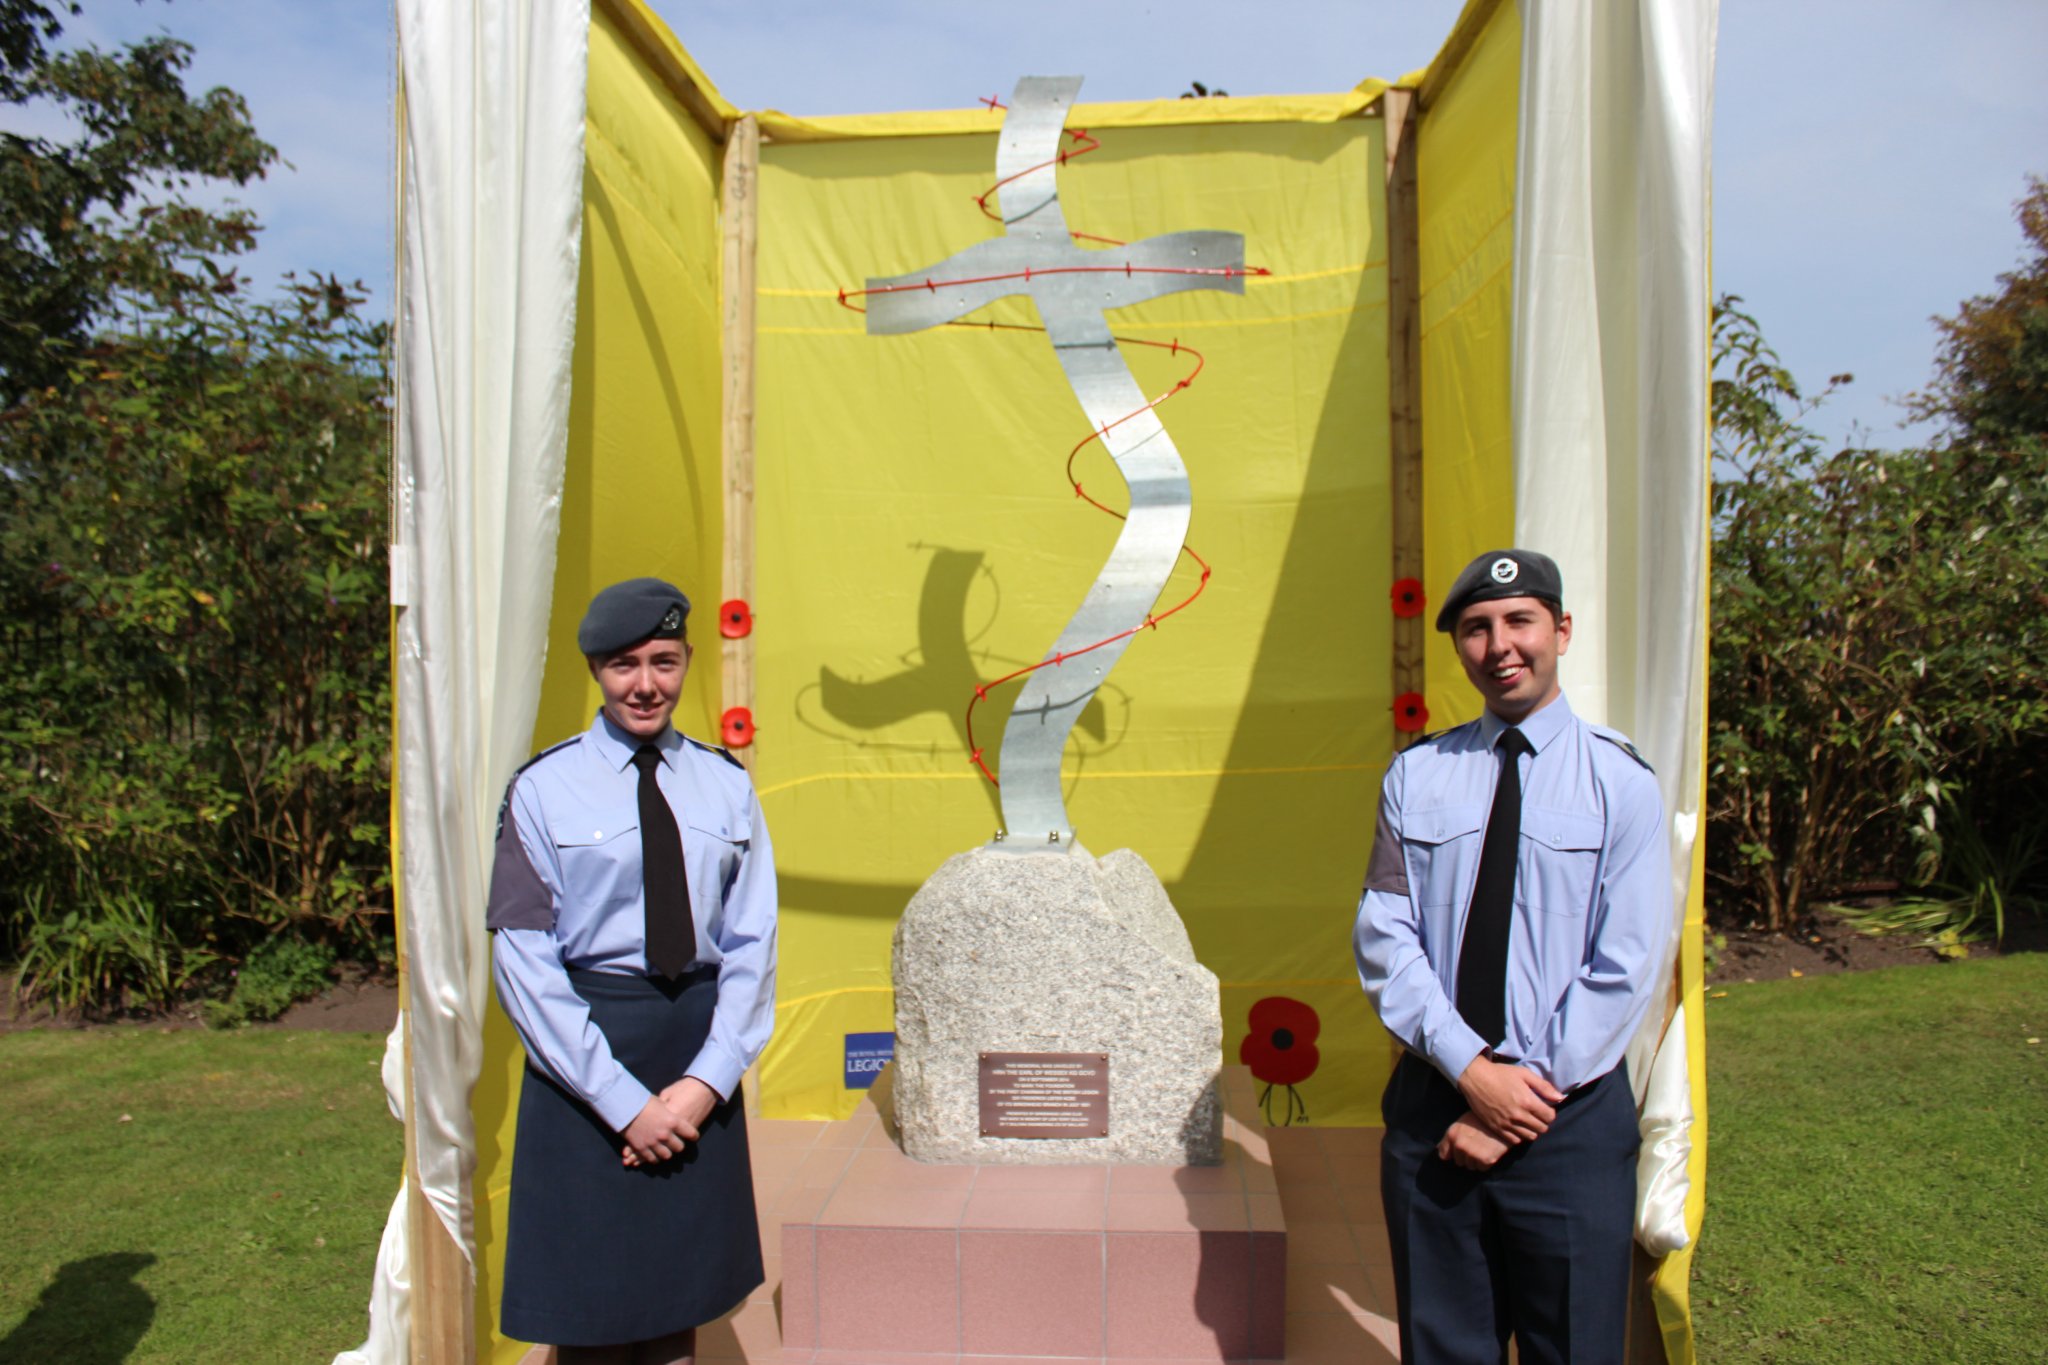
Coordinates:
[633,916]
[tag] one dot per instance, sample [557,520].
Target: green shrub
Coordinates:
[117,951]
[1879,651]
[277,976]
[194,663]
[1984,877]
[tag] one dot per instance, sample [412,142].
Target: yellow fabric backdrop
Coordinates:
[641,493]
[916,535]
[1466,168]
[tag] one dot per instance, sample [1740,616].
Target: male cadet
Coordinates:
[1516,910]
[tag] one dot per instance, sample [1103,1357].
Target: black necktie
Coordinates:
[671,937]
[1483,957]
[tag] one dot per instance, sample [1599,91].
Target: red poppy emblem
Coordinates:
[736,619]
[1409,712]
[738,727]
[1408,598]
[1281,1048]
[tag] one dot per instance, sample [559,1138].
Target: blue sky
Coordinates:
[1866,153]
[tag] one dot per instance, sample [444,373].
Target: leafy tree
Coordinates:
[194,691]
[1879,643]
[1991,366]
[86,220]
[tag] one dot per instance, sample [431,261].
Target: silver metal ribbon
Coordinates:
[1036,244]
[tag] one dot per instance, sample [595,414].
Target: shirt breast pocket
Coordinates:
[716,848]
[599,851]
[1443,849]
[1563,859]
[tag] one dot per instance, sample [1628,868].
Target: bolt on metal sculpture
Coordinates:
[1072,287]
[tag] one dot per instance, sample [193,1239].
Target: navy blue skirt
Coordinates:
[597,1254]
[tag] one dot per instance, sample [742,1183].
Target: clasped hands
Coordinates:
[1511,1105]
[666,1122]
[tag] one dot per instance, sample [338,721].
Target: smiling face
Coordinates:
[1510,648]
[641,684]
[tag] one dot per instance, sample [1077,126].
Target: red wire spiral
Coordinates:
[1152,620]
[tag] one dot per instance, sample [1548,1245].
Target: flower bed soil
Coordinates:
[359,1002]
[1822,945]
[364,1002]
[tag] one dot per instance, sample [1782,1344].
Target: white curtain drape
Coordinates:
[492,108]
[1611,420]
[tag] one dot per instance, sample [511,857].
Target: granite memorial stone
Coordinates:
[1054,952]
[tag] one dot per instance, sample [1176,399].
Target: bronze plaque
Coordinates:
[1045,1094]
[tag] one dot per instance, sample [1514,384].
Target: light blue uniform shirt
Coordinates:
[566,892]
[1592,916]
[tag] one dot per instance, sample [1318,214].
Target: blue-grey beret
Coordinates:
[1502,573]
[629,612]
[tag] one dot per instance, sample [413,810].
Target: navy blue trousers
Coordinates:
[1538,1246]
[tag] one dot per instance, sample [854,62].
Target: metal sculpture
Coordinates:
[1072,287]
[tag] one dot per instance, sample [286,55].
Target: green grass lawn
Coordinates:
[233,1215]
[1874,1191]
[1874,1180]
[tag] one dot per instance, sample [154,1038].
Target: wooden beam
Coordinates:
[1451,56]
[1404,386]
[740,217]
[443,1318]
[1645,1344]
[655,49]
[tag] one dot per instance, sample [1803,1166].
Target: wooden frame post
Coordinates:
[1404,385]
[1645,1342]
[441,1323]
[1404,396]
[739,214]
[658,48]
[443,1318]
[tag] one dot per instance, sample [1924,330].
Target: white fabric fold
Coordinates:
[1666,1122]
[1611,413]
[492,100]
[390,1295]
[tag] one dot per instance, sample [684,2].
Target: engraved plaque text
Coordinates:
[1045,1094]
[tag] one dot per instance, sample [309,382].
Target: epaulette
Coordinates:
[1439,734]
[505,803]
[725,754]
[551,749]
[1620,741]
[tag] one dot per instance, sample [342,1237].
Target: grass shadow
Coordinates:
[92,1312]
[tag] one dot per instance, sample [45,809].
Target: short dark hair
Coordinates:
[682,638]
[1550,604]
